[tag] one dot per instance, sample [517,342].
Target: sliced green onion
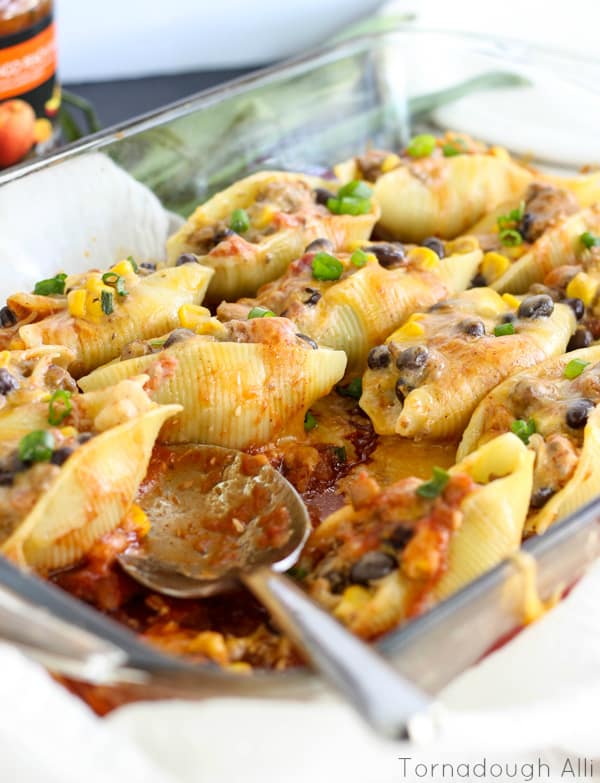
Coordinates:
[574,368]
[116,281]
[503,329]
[510,237]
[298,572]
[240,222]
[37,446]
[449,150]
[131,260]
[359,258]
[261,312]
[352,389]
[349,205]
[435,486]
[326,267]
[106,302]
[59,407]
[309,422]
[589,240]
[340,453]
[421,146]
[514,216]
[355,189]
[53,285]
[523,429]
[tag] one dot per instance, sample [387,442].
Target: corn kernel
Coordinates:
[123,268]
[411,329]
[212,327]
[425,257]
[264,217]
[390,162]
[516,252]
[493,266]
[354,597]
[191,316]
[137,516]
[499,152]
[583,287]
[4,358]
[511,300]
[76,302]
[68,432]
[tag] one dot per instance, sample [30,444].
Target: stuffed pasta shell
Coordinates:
[351,302]
[554,409]
[240,384]
[392,552]
[429,375]
[524,242]
[95,314]
[31,374]
[437,186]
[69,469]
[250,232]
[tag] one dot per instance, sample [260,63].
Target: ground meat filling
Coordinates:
[545,205]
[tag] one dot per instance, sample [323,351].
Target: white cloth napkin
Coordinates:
[535,701]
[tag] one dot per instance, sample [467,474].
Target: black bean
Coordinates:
[178,336]
[308,340]
[379,357]
[321,244]
[7,317]
[322,196]
[388,254]
[473,327]
[8,382]
[539,306]
[413,358]
[399,390]
[578,412]
[582,338]
[525,226]
[576,306]
[186,258]
[478,281]
[313,298]
[10,467]
[221,234]
[509,318]
[60,456]
[149,266]
[541,496]
[373,565]
[337,581]
[83,437]
[435,244]
[400,536]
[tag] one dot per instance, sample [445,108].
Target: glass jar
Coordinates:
[29,91]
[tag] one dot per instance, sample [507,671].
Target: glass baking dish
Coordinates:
[305,115]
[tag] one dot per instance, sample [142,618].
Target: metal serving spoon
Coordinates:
[219,517]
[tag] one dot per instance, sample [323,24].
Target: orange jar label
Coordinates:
[27,65]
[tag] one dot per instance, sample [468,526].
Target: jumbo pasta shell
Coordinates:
[360,311]
[233,394]
[466,371]
[94,489]
[150,310]
[240,266]
[493,515]
[583,485]
[444,196]
[558,246]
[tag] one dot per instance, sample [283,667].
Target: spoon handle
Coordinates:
[378,692]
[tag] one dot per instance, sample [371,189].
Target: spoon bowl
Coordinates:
[215,514]
[219,517]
